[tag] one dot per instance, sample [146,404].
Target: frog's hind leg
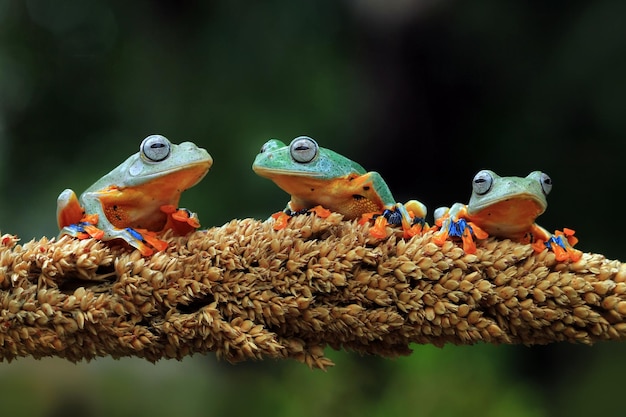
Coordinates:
[139,239]
[410,215]
[413,215]
[69,210]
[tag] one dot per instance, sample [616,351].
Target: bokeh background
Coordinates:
[427,92]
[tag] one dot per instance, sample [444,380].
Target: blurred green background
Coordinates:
[426,92]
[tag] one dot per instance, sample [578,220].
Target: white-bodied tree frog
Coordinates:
[139,198]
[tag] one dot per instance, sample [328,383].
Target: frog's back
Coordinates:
[333,165]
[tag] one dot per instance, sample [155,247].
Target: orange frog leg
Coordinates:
[180,220]
[84,228]
[141,239]
[399,214]
[442,223]
[281,219]
[467,231]
[561,243]
[320,211]
[471,232]
[413,218]
[366,217]
[150,238]
[379,230]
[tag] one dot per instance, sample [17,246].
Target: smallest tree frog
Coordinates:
[505,207]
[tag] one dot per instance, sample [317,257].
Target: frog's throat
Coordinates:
[539,202]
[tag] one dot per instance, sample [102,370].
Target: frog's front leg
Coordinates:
[413,217]
[180,220]
[410,215]
[281,218]
[561,242]
[452,223]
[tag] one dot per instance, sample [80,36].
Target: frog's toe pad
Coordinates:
[379,230]
[560,244]
[180,220]
[281,219]
[320,211]
[82,230]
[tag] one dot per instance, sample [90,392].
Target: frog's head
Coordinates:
[158,159]
[526,194]
[302,158]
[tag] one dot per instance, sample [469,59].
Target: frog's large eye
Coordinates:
[543,179]
[266,146]
[155,148]
[303,149]
[546,183]
[482,182]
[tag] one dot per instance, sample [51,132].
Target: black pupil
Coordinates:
[302,148]
[157,145]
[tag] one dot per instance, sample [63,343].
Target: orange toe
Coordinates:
[538,246]
[469,246]
[282,219]
[379,230]
[320,211]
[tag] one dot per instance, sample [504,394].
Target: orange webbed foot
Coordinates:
[281,219]
[467,231]
[379,230]
[414,230]
[366,217]
[320,211]
[93,231]
[85,228]
[538,245]
[561,243]
[477,231]
[151,239]
[440,237]
[180,220]
[469,246]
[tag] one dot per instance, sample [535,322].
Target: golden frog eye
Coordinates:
[303,149]
[155,148]
[482,182]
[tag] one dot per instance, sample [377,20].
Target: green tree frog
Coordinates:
[139,198]
[317,178]
[505,207]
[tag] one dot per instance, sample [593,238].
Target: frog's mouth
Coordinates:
[508,216]
[180,178]
[526,203]
[272,172]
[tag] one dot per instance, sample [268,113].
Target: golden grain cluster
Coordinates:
[246,291]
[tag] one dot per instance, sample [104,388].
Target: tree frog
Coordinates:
[138,198]
[505,207]
[318,178]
